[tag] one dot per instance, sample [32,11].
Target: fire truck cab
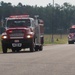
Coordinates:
[22,31]
[71,36]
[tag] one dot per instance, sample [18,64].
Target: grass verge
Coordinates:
[57,39]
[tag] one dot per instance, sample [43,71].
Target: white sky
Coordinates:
[38,2]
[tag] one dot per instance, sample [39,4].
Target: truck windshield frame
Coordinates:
[72,30]
[18,23]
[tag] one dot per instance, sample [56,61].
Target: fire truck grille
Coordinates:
[17,34]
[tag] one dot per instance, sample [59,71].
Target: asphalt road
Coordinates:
[53,60]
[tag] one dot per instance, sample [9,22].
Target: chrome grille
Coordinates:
[17,34]
[17,31]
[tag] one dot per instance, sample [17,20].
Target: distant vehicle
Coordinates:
[71,36]
[22,31]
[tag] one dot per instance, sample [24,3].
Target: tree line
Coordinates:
[57,18]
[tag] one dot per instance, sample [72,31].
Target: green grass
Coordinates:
[58,39]
[47,40]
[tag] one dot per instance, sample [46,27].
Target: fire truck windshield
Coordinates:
[72,30]
[18,23]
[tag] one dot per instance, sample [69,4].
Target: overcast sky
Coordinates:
[38,2]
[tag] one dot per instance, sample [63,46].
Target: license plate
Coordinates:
[16,41]
[16,44]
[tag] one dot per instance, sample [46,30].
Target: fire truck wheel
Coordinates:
[41,48]
[36,48]
[32,48]
[70,42]
[4,49]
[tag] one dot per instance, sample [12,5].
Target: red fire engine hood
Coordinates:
[18,29]
[24,28]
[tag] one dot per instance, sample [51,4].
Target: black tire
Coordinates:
[36,48]
[4,49]
[40,47]
[32,47]
[70,42]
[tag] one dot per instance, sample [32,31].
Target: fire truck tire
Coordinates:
[32,48]
[40,47]
[36,48]
[70,42]
[4,49]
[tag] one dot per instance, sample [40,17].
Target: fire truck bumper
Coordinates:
[21,43]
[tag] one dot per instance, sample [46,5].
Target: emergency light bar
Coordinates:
[19,16]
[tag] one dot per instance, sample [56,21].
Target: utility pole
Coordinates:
[52,39]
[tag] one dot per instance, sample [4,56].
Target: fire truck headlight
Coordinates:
[4,37]
[29,36]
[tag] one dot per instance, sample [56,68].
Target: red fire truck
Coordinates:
[71,36]
[22,31]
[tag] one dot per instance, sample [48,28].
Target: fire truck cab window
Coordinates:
[18,23]
[72,30]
